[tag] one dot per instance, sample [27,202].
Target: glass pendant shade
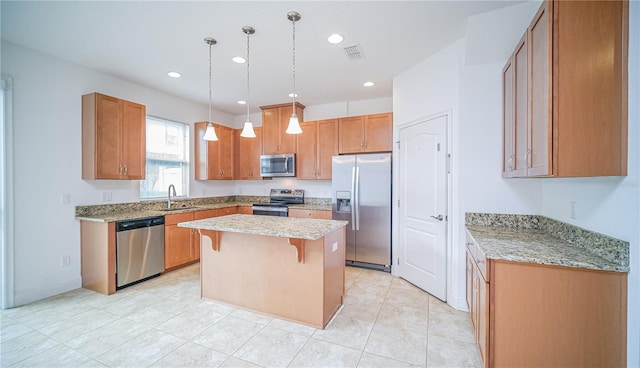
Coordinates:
[247,131]
[294,125]
[210,133]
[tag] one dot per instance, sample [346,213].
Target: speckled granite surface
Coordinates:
[289,227]
[541,240]
[134,210]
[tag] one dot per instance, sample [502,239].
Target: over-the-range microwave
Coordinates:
[278,165]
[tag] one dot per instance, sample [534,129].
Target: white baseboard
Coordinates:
[458,303]
[23,297]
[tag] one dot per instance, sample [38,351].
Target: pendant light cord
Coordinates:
[210,94]
[294,67]
[248,88]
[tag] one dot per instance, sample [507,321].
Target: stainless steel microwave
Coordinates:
[278,165]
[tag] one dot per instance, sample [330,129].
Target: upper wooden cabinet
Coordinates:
[214,159]
[367,133]
[247,155]
[317,145]
[275,119]
[113,138]
[576,94]
[516,111]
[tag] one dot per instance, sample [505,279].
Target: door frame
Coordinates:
[395,197]
[7,249]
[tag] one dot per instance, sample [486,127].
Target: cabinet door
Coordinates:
[327,147]
[521,115]
[134,150]
[245,210]
[469,287]
[315,214]
[108,136]
[482,325]
[247,157]
[508,121]
[540,66]
[270,131]
[306,157]
[378,132]
[225,152]
[178,247]
[351,134]
[287,141]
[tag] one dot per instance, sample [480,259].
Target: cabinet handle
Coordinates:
[510,161]
[526,158]
[126,169]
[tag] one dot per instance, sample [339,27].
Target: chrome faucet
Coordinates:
[169,195]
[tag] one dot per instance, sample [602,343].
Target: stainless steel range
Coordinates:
[279,201]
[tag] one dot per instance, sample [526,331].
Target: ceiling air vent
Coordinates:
[354,52]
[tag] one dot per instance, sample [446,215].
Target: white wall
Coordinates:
[607,205]
[47,162]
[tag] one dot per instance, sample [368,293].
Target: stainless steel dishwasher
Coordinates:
[139,250]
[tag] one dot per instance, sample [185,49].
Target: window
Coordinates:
[167,159]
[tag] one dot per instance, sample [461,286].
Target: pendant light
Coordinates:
[294,124]
[247,131]
[210,133]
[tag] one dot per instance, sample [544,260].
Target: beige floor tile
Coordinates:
[63,356]
[79,325]
[367,289]
[10,329]
[133,301]
[192,355]
[272,347]
[399,343]
[396,315]
[456,326]
[410,297]
[142,351]
[252,316]
[157,313]
[346,330]
[228,334]
[369,360]
[220,308]
[24,347]
[58,312]
[192,321]
[443,352]
[92,364]
[294,327]
[377,277]
[316,353]
[234,362]
[105,338]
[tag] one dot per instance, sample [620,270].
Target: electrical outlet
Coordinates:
[65,198]
[106,196]
[65,261]
[573,210]
[335,246]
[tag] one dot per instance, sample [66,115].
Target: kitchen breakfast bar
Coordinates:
[292,268]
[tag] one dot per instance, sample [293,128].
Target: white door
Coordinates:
[423,205]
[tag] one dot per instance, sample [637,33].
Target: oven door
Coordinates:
[281,211]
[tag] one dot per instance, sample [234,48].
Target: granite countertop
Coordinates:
[287,227]
[549,242]
[137,210]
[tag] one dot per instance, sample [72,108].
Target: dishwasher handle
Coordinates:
[139,223]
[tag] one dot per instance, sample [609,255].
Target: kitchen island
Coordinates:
[292,268]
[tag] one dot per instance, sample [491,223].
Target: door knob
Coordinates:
[439,217]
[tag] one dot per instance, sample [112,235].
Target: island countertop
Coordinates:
[286,227]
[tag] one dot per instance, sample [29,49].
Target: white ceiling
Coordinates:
[142,40]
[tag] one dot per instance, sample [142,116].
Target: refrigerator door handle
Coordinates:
[357,198]
[352,199]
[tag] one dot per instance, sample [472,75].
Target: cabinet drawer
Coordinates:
[178,217]
[478,257]
[316,214]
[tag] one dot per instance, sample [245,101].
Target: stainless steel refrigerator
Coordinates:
[361,191]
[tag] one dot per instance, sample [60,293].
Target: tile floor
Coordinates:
[385,322]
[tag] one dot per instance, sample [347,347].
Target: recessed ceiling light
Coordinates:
[241,102]
[174,74]
[239,60]
[368,84]
[335,38]
[292,95]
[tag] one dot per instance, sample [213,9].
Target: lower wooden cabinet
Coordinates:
[245,210]
[534,315]
[316,214]
[182,245]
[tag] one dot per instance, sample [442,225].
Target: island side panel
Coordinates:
[98,256]
[334,264]
[262,273]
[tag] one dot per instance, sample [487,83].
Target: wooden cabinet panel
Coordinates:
[214,159]
[113,138]
[576,97]
[508,122]
[367,133]
[316,214]
[307,151]
[245,210]
[327,147]
[247,155]
[178,241]
[275,119]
